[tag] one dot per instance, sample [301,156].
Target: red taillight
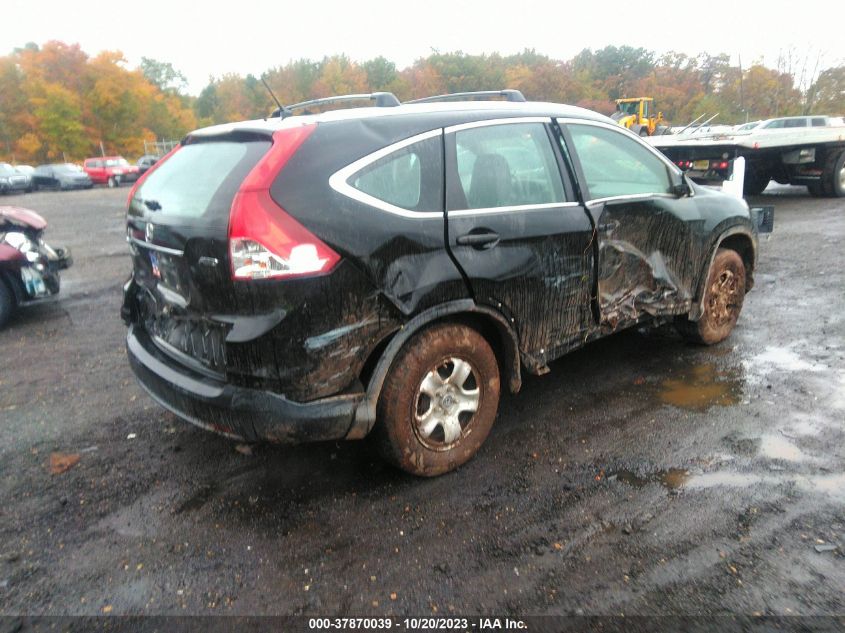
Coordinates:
[146,174]
[264,241]
[718,164]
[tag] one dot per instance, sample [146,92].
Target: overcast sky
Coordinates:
[249,36]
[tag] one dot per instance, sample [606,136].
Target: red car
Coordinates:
[110,170]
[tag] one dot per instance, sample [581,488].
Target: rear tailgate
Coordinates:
[177,225]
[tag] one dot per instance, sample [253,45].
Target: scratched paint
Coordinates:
[552,278]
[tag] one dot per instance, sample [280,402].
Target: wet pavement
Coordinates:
[641,476]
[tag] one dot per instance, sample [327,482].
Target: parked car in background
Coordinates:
[110,170]
[388,269]
[13,181]
[800,121]
[60,176]
[29,267]
[25,169]
[145,162]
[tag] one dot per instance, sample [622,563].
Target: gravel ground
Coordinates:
[642,476]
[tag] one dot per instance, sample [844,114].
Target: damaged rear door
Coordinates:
[517,232]
[648,238]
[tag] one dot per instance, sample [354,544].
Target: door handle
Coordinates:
[487,239]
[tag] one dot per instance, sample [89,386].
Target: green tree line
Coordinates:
[59,103]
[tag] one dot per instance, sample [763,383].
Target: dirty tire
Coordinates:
[816,190]
[756,180]
[833,176]
[724,293]
[112,182]
[407,433]
[7,303]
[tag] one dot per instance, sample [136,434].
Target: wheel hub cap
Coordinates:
[724,295]
[447,398]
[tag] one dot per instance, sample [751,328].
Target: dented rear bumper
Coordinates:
[236,412]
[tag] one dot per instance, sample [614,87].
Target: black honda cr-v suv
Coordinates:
[387,268]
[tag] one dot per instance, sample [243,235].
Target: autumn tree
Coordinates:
[57,103]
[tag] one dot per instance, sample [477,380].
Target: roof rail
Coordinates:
[381,99]
[509,95]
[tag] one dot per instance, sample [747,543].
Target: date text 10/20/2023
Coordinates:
[417,624]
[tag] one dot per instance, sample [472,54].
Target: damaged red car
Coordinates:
[29,267]
[387,270]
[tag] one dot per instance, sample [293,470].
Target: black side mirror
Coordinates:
[681,189]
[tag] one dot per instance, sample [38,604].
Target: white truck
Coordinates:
[807,150]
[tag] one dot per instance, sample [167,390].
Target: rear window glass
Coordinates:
[200,180]
[410,178]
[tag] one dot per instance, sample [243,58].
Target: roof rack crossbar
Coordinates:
[509,95]
[381,99]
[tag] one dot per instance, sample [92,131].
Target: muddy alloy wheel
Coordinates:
[724,294]
[439,400]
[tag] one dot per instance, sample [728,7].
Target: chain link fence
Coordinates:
[158,148]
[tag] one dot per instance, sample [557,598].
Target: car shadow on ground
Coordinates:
[268,484]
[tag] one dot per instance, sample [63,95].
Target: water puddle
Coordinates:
[777,447]
[680,479]
[828,485]
[703,387]
[671,479]
[779,358]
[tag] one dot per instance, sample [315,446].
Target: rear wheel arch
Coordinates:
[492,325]
[737,239]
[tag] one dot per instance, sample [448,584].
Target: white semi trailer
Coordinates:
[811,154]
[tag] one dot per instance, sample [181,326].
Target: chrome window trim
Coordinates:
[487,122]
[630,196]
[339,180]
[514,208]
[155,247]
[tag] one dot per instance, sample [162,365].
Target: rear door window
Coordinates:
[200,180]
[507,165]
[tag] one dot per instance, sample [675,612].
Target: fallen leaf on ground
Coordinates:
[61,462]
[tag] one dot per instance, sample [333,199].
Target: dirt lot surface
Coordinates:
[642,476]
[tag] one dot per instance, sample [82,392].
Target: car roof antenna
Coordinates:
[281,110]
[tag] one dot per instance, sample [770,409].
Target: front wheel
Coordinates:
[724,294]
[439,400]
[112,182]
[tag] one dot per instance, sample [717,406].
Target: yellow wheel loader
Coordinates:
[637,114]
